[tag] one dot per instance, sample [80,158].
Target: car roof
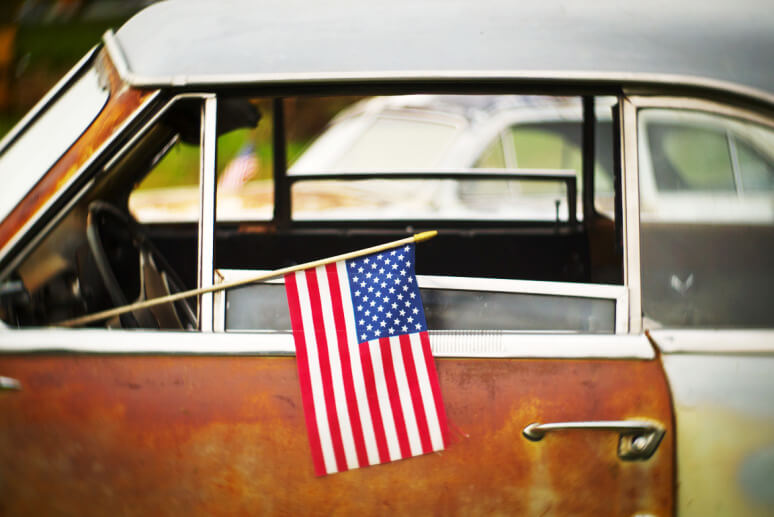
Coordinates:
[724,45]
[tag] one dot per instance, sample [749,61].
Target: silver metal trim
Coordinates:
[46,100]
[638,440]
[694,104]
[474,344]
[579,76]
[9,384]
[713,341]
[631,212]
[207,209]
[13,241]
[617,293]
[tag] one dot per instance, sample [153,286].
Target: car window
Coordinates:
[707,220]
[49,136]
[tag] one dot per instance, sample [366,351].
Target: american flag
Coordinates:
[368,381]
[239,170]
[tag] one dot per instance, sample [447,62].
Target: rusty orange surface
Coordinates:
[183,435]
[123,102]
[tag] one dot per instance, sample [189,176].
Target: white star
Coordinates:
[405,288]
[402,312]
[407,248]
[397,281]
[374,303]
[355,279]
[386,299]
[351,264]
[363,336]
[383,285]
[388,315]
[360,307]
[374,318]
[405,328]
[362,284]
[408,263]
[378,294]
[380,308]
[365,298]
[412,295]
[362,321]
[367,313]
[387,261]
[392,290]
[400,257]
[381,270]
[403,272]
[394,305]
[370,289]
[368,275]
[400,296]
[377,332]
[369,327]
[410,280]
[419,326]
[373,266]
[397,321]
[360,269]
[389,275]
[408,303]
[392,252]
[415,310]
[367,260]
[410,319]
[379,256]
[357,293]
[395,266]
[383,323]
[392,330]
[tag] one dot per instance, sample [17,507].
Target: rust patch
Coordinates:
[226,436]
[123,102]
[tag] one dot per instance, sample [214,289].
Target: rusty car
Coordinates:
[601,177]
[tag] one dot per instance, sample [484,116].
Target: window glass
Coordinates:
[43,143]
[707,220]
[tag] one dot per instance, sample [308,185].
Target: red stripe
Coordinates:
[392,391]
[325,368]
[373,403]
[346,364]
[416,394]
[433,376]
[302,361]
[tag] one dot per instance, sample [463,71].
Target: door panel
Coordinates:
[109,434]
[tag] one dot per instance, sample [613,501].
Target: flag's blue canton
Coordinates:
[385,294]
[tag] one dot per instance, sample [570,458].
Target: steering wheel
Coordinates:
[110,233]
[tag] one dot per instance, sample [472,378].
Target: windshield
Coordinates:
[49,137]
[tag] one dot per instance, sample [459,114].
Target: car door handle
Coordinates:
[638,440]
[9,384]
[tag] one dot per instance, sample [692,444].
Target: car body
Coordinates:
[610,356]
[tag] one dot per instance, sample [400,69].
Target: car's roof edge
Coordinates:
[623,79]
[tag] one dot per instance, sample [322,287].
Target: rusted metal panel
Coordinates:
[182,435]
[123,102]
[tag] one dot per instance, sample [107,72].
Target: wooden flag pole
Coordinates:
[102,315]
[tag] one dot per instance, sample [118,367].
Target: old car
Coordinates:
[598,295]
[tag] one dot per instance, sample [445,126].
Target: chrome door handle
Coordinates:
[7,383]
[638,440]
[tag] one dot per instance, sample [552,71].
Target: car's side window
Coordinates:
[707,219]
[369,170]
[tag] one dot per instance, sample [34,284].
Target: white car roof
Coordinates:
[726,45]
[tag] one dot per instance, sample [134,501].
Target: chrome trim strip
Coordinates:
[44,102]
[604,291]
[375,76]
[9,384]
[13,241]
[631,213]
[713,341]
[207,195]
[690,103]
[472,344]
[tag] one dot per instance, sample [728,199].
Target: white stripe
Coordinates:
[318,395]
[357,365]
[431,413]
[339,395]
[384,401]
[404,392]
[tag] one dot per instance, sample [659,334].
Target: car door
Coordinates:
[546,418]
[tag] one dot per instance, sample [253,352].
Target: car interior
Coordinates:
[98,255]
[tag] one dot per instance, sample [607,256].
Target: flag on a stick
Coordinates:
[368,381]
[239,170]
